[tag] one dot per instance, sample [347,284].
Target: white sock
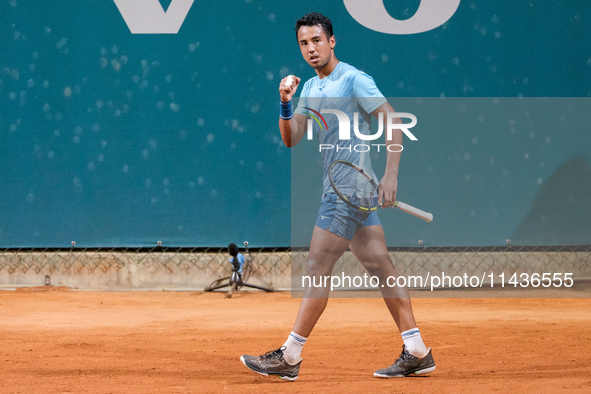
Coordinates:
[414,343]
[293,348]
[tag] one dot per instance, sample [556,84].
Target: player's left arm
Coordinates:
[389,183]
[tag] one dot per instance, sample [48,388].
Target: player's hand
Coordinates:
[387,192]
[287,92]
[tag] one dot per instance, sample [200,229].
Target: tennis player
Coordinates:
[339,226]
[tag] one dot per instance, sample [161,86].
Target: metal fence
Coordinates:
[280,268]
[468,268]
[136,268]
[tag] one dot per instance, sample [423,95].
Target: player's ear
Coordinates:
[332,42]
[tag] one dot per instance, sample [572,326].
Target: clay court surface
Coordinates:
[65,341]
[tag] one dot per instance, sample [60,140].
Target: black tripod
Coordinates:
[237,280]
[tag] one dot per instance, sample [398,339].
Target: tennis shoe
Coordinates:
[407,365]
[272,363]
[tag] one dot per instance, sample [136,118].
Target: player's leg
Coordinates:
[325,249]
[369,246]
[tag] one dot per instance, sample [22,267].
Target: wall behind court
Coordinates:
[119,139]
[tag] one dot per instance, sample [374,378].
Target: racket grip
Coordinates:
[289,81]
[426,216]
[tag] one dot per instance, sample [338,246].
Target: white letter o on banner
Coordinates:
[373,15]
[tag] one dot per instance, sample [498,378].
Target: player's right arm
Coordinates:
[292,130]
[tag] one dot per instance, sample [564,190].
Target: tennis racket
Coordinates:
[358,190]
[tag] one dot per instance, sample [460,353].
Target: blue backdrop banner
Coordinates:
[128,122]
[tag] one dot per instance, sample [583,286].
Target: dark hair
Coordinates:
[233,250]
[315,19]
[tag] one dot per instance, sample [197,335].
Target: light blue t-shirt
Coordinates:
[348,90]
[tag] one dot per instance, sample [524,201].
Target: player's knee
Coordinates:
[314,268]
[379,265]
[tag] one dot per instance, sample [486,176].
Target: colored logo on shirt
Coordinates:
[315,116]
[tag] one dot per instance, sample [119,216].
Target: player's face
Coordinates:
[316,47]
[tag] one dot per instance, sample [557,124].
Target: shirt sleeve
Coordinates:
[368,95]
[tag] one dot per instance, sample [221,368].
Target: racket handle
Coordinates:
[426,216]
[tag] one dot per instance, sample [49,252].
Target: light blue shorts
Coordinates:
[341,219]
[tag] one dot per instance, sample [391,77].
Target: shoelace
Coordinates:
[404,356]
[278,353]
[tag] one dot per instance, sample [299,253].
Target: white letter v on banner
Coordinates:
[148,16]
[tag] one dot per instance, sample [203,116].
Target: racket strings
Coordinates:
[354,185]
